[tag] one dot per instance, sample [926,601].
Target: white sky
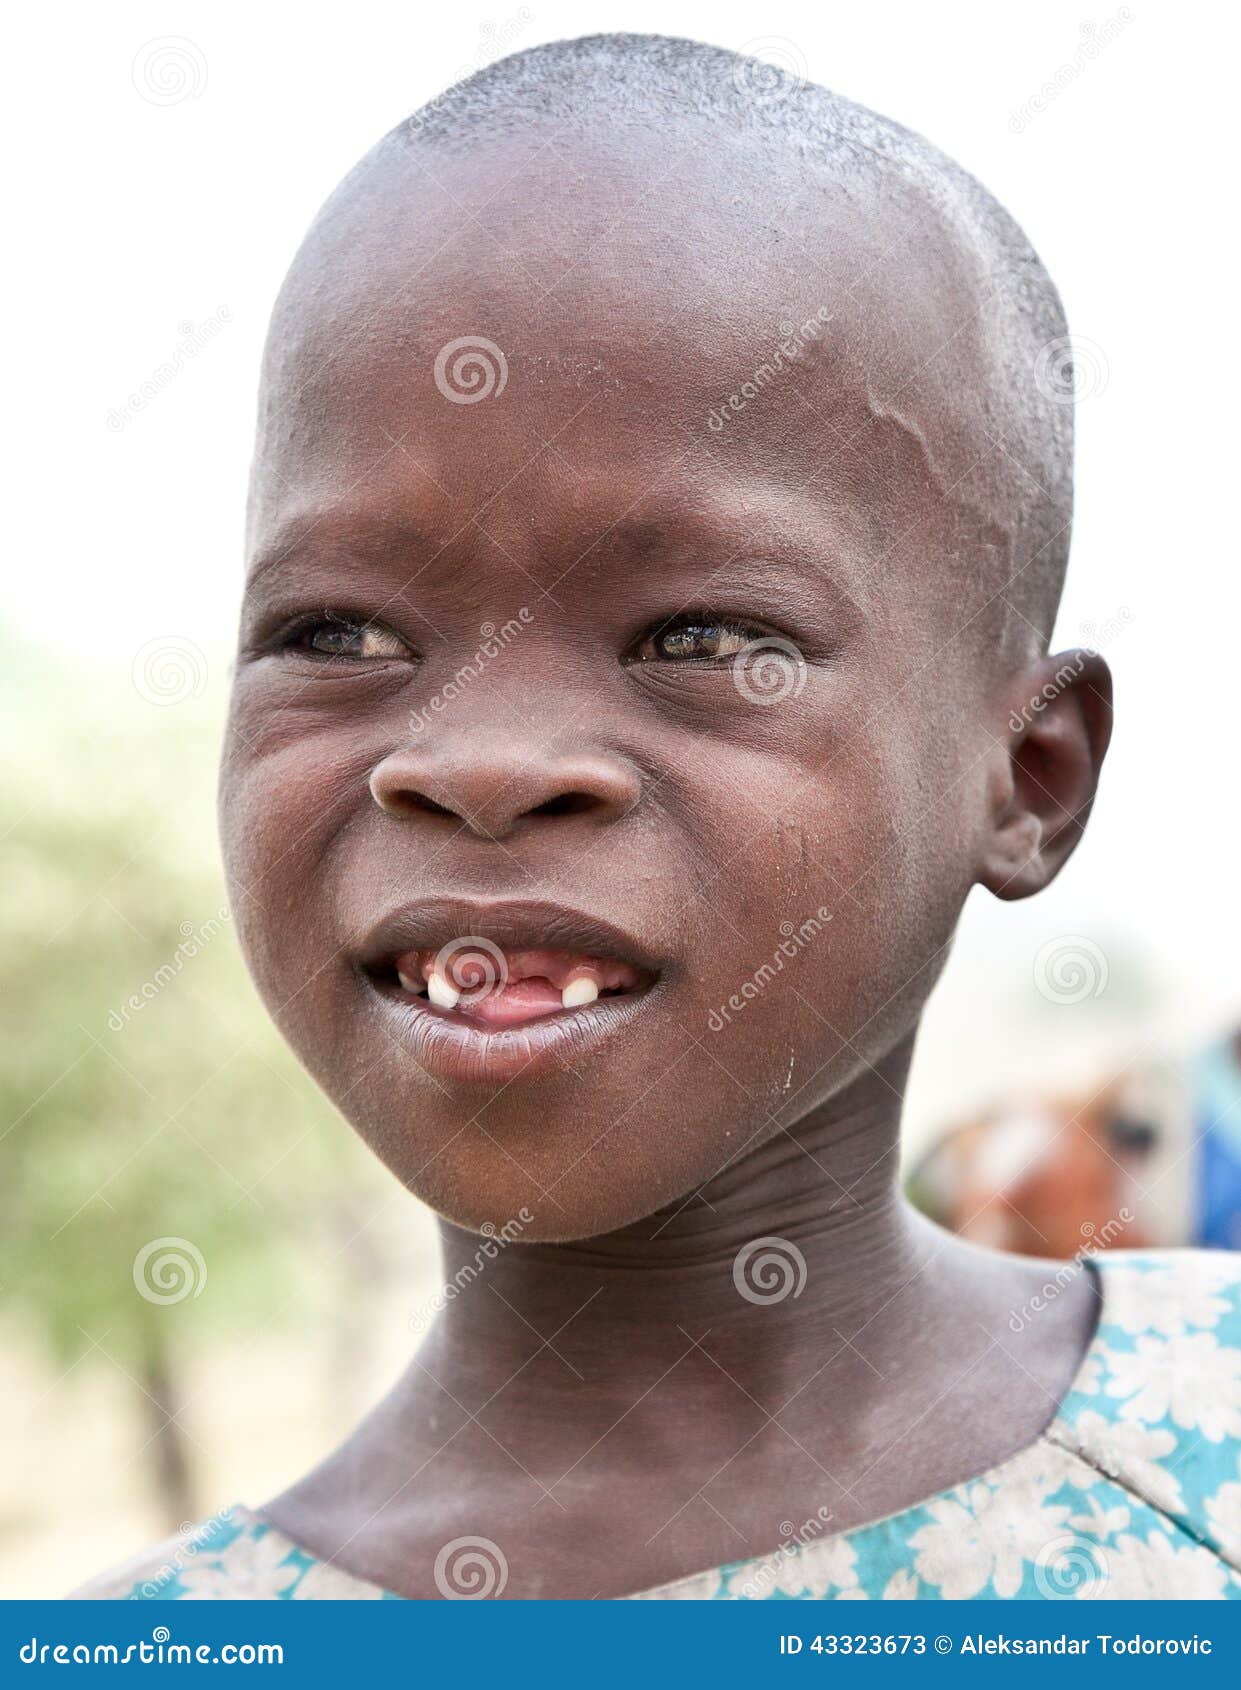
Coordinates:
[134,218]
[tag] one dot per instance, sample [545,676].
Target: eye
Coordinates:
[697,638]
[348,637]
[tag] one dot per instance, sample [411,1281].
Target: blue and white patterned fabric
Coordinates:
[1132,1491]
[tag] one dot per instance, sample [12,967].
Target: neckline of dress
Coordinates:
[1079,1385]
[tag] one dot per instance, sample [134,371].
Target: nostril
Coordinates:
[565,804]
[411,803]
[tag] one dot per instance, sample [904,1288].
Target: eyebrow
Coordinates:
[739,543]
[337,532]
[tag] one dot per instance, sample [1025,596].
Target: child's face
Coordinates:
[758,856]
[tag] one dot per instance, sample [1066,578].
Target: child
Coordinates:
[660,506]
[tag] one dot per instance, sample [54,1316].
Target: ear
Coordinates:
[1054,739]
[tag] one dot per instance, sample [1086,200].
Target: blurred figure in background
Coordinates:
[1217,1098]
[1150,1158]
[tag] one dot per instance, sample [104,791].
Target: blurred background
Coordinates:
[203,1280]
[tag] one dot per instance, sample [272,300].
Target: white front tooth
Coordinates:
[415,986]
[579,991]
[442,993]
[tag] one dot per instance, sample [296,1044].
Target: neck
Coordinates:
[803,1236]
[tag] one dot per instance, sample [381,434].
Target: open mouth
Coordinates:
[503,987]
[495,990]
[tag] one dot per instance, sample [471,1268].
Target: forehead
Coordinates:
[560,331]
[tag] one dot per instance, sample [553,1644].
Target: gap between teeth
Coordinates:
[444,995]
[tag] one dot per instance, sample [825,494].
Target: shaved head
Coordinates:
[740,184]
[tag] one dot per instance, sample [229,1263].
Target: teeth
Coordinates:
[414,986]
[579,991]
[442,993]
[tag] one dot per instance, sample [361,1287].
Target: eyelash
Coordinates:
[292,637]
[645,649]
[731,627]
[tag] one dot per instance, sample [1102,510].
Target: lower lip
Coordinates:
[451,1047]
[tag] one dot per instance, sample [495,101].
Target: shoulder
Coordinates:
[234,1555]
[1157,1404]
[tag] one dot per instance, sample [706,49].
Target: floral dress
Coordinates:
[1132,1491]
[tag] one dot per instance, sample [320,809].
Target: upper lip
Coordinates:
[431,923]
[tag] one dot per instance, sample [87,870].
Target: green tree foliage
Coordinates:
[144,1095]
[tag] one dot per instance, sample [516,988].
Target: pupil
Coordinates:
[688,642]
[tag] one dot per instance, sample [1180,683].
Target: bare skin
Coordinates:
[605,1403]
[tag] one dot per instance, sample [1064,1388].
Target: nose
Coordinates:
[493,789]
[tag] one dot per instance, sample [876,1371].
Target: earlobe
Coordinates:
[1052,740]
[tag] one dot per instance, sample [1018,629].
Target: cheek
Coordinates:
[284,799]
[831,907]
